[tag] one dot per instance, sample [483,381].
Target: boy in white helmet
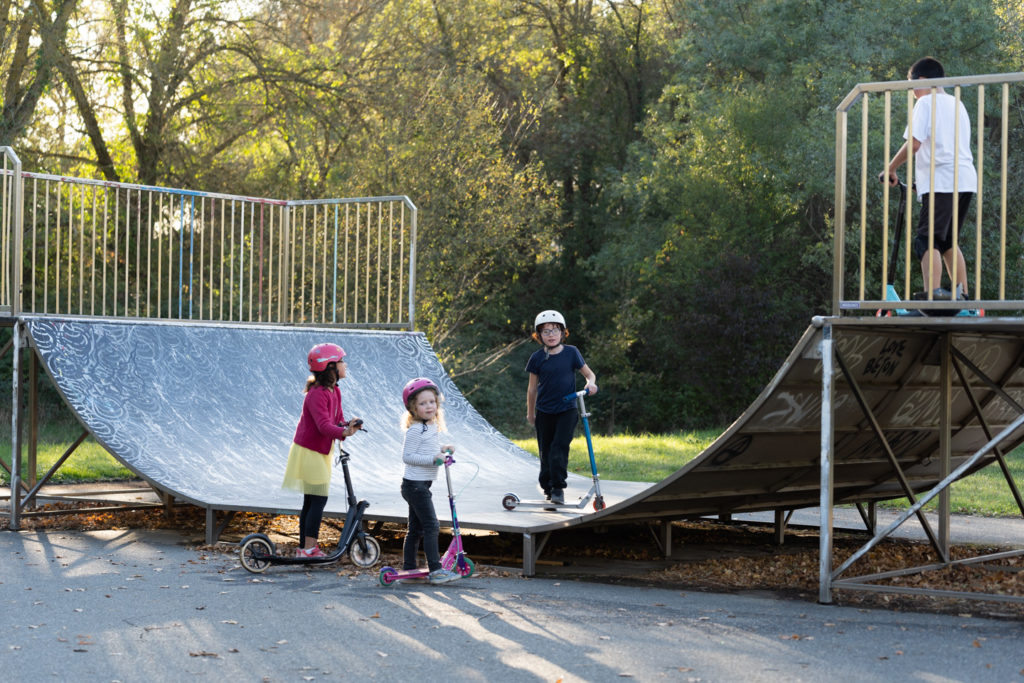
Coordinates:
[552,371]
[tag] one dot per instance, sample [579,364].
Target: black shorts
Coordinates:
[943,221]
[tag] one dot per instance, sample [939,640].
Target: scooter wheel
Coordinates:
[510,501]
[469,568]
[388,576]
[255,552]
[599,503]
[364,552]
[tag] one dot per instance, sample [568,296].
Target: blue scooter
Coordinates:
[510,501]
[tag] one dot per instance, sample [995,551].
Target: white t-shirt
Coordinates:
[422,444]
[945,149]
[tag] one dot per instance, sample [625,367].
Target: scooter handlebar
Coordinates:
[573,395]
[357,424]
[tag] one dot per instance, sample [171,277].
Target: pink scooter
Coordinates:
[453,557]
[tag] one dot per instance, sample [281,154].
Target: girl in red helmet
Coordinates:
[552,371]
[309,460]
[422,454]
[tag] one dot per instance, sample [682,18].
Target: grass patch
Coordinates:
[634,457]
[90,461]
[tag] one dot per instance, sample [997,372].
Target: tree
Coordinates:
[30,39]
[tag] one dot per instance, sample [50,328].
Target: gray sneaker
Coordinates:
[443,576]
[557,497]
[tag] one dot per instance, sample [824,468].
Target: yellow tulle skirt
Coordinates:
[307,471]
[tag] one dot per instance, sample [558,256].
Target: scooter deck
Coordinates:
[510,501]
[548,505]
[333,556]
[390,576]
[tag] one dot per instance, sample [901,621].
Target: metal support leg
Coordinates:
[211,526]
[868,516]
[666,538]
[827,445]
[945,441]
[529,555]
[168,502]
[16,395]
[780,527]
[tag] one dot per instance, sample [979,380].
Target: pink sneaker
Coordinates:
[312,552]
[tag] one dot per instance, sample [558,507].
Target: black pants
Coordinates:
[310,516]
[943,239]
[554,434]
[423,525]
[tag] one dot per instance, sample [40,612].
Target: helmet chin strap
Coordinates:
[548,349]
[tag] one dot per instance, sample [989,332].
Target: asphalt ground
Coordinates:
[148,606]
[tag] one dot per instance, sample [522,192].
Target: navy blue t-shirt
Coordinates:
[556,378]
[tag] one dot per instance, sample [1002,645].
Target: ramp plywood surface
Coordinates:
[207,412]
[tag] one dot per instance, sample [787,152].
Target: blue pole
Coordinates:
[191,252]
[181,250]
[334,293]
[241,264]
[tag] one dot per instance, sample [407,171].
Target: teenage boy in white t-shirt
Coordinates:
[949,157]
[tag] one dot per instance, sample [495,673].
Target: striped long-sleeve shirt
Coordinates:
[421,446]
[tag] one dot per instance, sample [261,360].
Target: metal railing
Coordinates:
[862,234]
[75,246]
[11,207]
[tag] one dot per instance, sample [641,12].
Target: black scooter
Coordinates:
[257,551]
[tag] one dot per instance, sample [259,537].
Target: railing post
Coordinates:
[13,267]
[412,266]
[840,212]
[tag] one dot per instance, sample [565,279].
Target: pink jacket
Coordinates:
[321,413]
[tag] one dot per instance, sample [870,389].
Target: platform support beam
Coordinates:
[17,393]
[781,520]
[945,440]
[827,446]
[529,554]
[666,538]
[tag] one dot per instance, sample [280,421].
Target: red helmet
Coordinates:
[323,354]
[414,386]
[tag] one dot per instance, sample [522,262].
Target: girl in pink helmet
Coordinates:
[309,460]
[422,454]
[552,371]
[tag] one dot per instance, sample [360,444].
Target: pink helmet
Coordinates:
[414,386]
[323,354]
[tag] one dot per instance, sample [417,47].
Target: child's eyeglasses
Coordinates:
[554,330]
